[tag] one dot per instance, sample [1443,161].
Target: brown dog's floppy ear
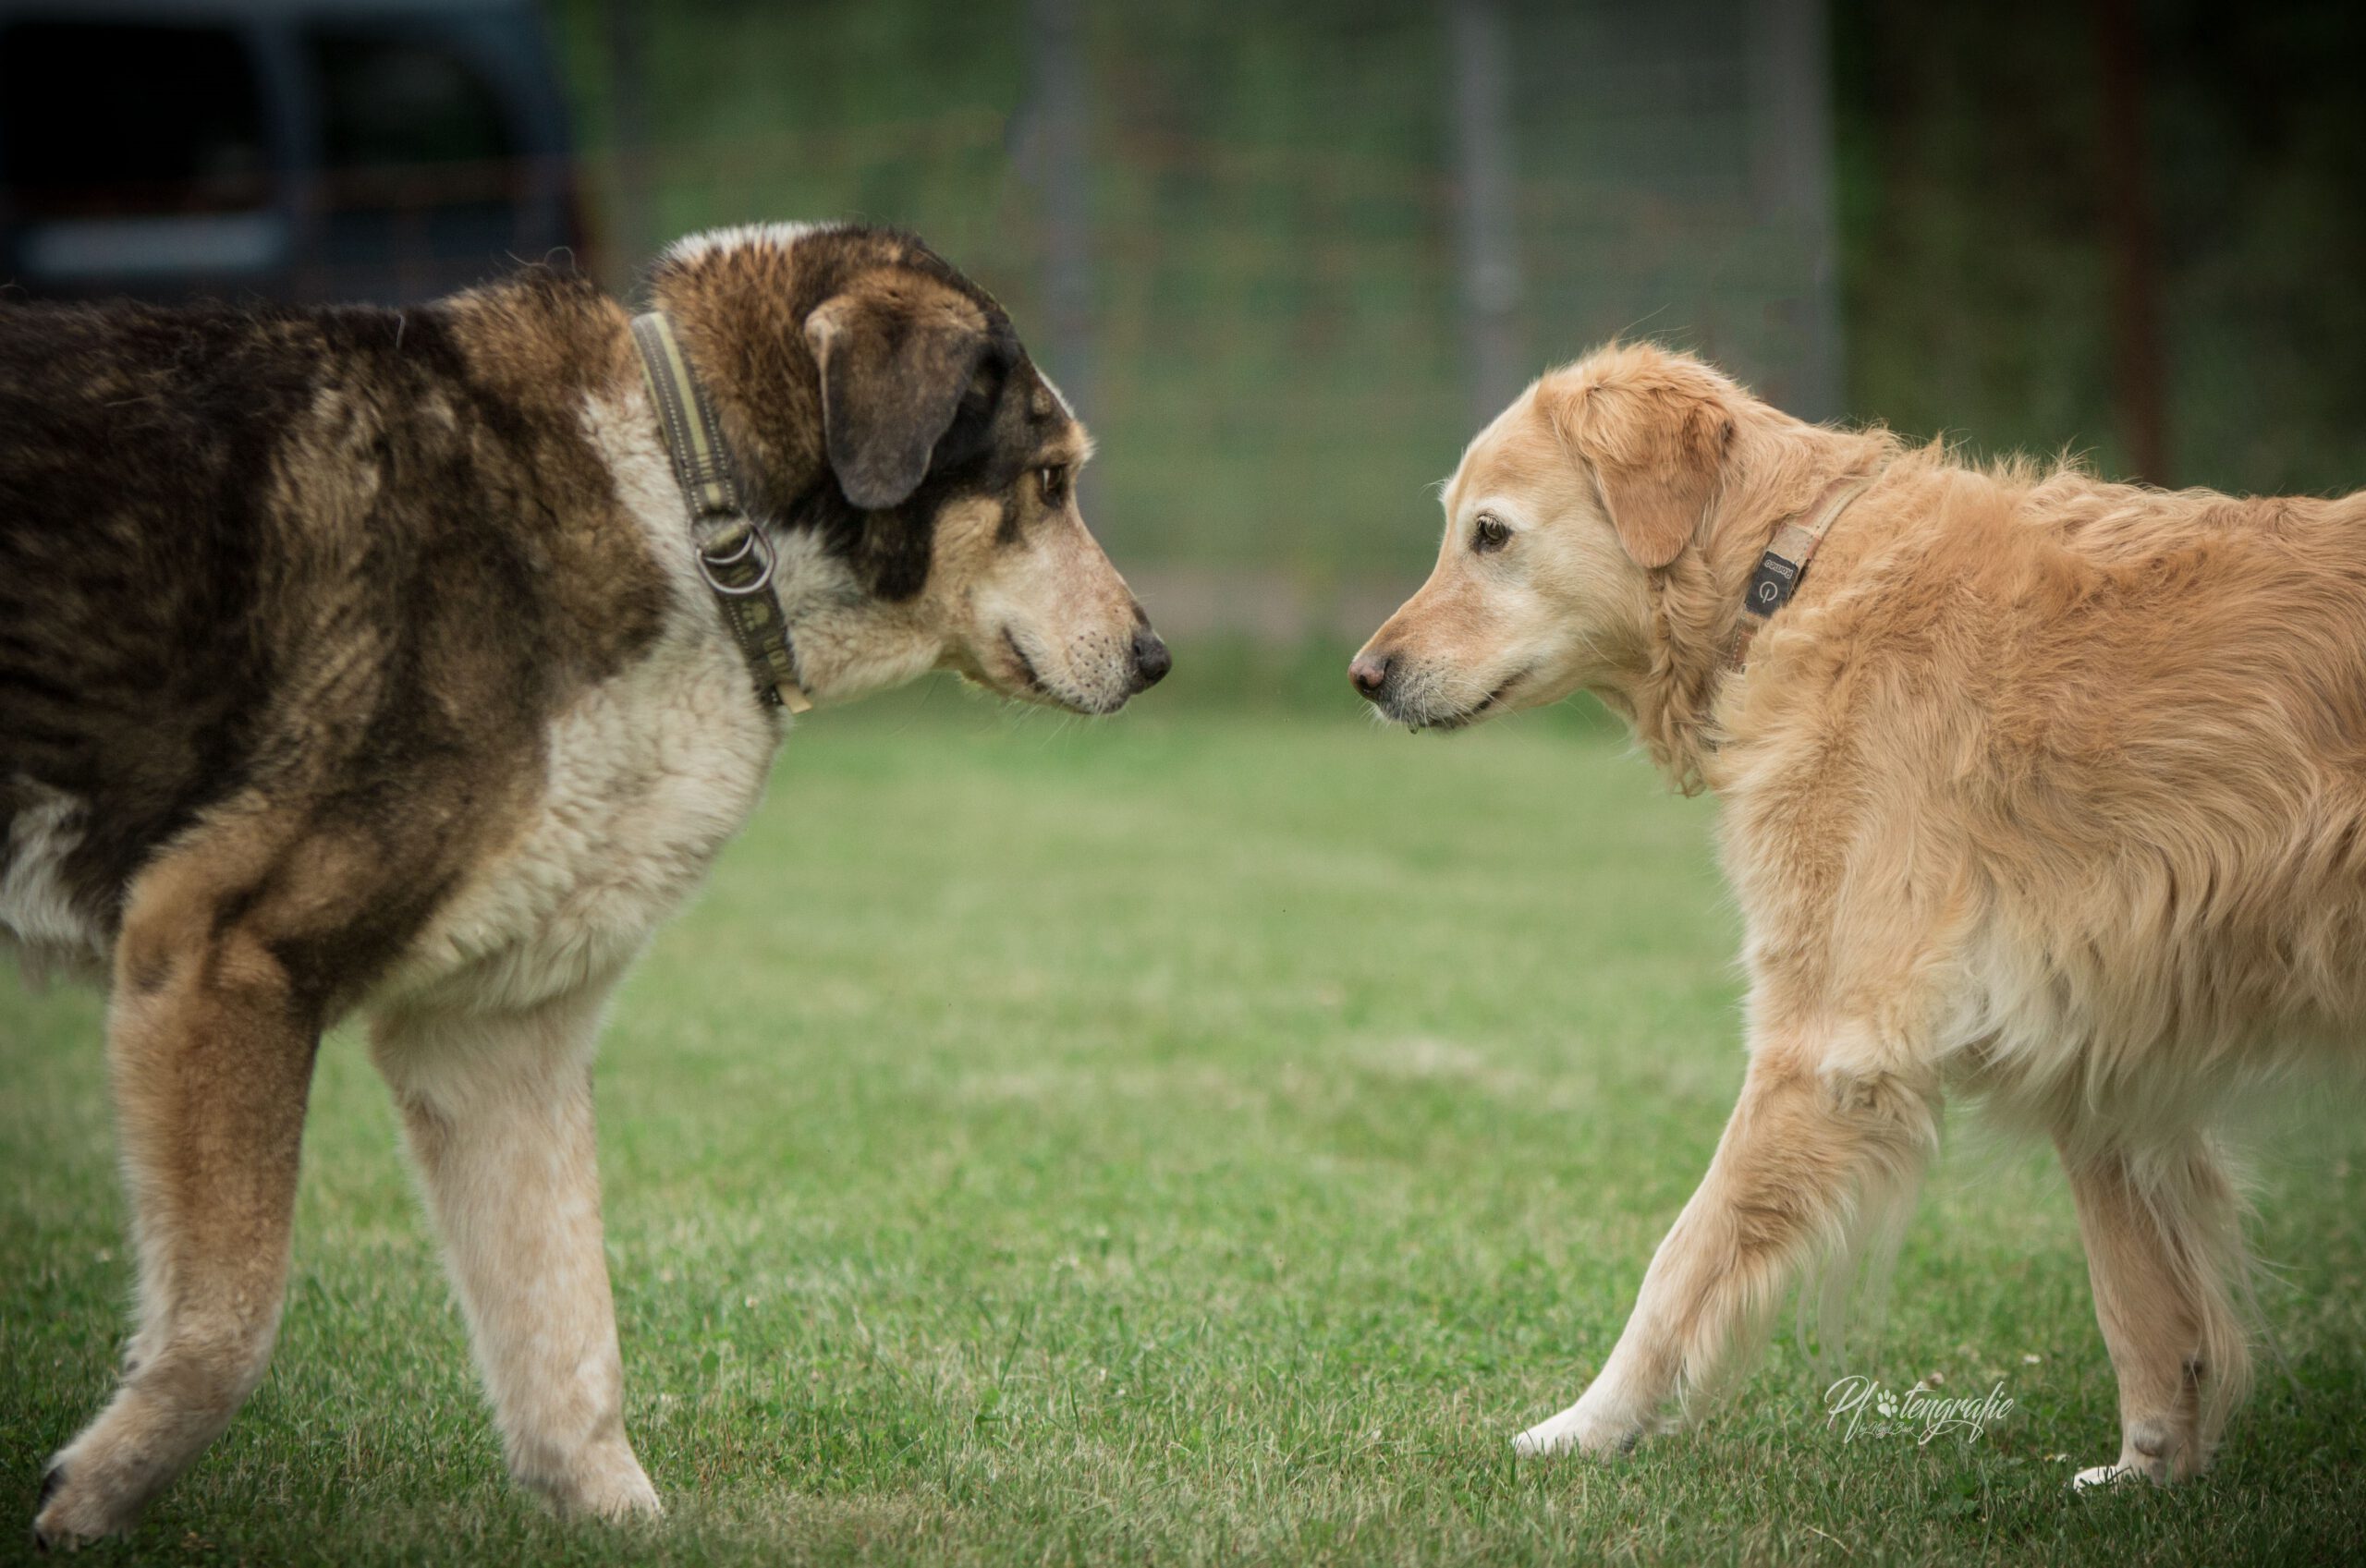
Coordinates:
[1656,446]
[893,368]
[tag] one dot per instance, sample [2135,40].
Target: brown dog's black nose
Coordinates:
[1369,674]
[1152,661]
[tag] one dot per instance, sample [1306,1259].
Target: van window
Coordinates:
[391,103]
[103,119]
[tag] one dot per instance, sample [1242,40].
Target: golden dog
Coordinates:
[2041,789]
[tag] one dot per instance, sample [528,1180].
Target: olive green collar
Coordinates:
[734,556]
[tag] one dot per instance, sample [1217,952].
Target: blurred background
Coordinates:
[1287,258]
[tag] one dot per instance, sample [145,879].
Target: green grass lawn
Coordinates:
[1203,1138]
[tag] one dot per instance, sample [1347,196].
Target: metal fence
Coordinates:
[1285,259]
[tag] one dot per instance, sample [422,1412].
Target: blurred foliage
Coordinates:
[1977,289]
[1277,376]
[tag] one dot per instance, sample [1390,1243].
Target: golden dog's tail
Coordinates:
[2187,1192]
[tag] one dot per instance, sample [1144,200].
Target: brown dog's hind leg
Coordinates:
[1808,1156]
[210,1050]
[497,1108]
[2162,1249]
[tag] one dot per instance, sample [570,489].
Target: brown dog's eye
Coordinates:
[1490,535]
[1054,482]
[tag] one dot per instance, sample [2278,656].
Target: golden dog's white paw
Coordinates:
[2156,1450]
[1587,1426]
[2133,1466]
[2103,1476]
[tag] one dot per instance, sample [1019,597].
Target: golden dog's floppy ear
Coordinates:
[894,367]
[1655,440]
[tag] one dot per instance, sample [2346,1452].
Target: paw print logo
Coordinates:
[1887,1403]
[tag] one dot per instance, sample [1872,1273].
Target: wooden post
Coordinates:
[1488,222]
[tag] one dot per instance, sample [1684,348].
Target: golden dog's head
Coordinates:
[1596,476]
[920,470]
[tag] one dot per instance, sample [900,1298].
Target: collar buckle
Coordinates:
[722,572]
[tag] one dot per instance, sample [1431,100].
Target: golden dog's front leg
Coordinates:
[1811,1154]
[498,1111]
[2164,1251]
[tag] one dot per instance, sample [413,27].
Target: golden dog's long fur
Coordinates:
[2043,789]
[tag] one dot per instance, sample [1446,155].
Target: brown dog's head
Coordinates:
[1596,476]
[918,470]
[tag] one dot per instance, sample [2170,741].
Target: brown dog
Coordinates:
[2040,789]
[366,660]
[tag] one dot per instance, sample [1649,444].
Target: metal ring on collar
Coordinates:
[754,540]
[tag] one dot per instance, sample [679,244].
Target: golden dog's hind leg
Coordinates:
[497,1111]
[210,1050]
[1807,1157]
[2163,1250]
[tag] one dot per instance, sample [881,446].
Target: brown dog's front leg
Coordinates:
[211,1055]
[497,1109]
[1807,1156]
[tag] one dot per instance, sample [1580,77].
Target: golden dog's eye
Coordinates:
[1054,484]
[1490,535]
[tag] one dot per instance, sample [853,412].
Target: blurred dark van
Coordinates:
[306,149]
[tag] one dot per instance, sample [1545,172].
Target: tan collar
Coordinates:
[1785,561]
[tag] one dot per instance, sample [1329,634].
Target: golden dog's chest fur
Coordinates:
[2043,788]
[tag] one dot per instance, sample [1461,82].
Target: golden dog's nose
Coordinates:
[1152,661]
[1369,674]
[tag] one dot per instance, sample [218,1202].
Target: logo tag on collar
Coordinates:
[1771,585]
